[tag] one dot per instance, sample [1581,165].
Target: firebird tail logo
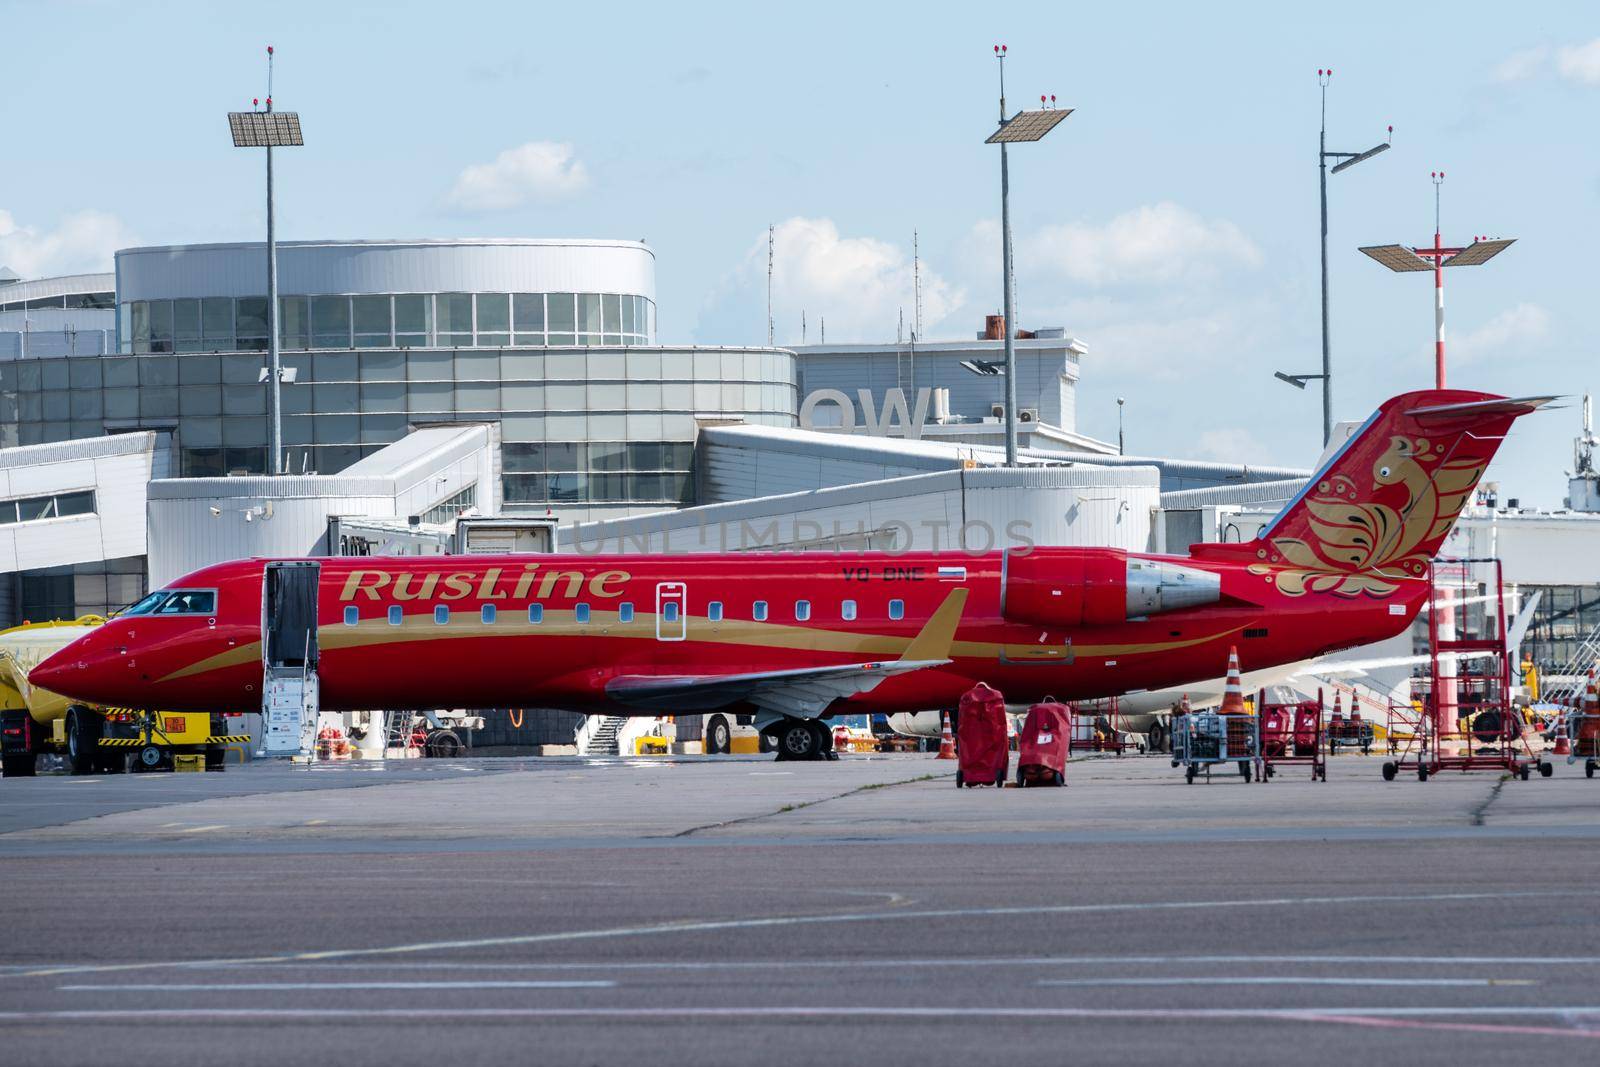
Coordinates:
[1384,503]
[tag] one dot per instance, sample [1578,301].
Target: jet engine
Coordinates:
[1072,587]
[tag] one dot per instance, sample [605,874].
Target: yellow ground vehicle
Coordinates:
[36,721]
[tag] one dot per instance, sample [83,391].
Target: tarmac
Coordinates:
[730,910]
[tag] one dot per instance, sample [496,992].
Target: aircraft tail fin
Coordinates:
[1380,507]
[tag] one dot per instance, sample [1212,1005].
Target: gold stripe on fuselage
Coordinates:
[737,632]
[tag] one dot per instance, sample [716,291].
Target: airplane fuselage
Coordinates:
[558,630]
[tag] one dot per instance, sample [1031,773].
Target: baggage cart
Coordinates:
[1583,731]
[1292,734]
[983,749]
[1043,743]
[1202,740]
[1097,728]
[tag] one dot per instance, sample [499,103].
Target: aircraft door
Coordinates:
[290,687]
[289,623]
[672,611]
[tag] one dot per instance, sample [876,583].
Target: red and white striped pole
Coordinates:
[1438,287]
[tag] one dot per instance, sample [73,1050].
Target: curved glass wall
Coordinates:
[578,425]
[406,320]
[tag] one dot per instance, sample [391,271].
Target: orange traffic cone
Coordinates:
[1233,692]
[947,742]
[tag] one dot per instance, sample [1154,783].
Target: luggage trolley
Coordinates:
[1203,739]
[1292,733]
[1467,720]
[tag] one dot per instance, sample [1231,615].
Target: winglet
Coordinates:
[939,632]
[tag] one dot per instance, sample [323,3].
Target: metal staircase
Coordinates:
[602,739]
[1574,676]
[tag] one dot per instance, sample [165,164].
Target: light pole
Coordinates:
[1347,160]
[1021,127]
[269,129]
[1120,450]
[1401,259]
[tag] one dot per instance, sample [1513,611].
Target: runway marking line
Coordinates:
[770,922]
[1280,980]
[268,987]
[1383,1016]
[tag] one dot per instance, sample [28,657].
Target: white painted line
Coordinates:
[267,987]
[204,829]
[766,1011]
[1287,980]
[886,964]
[779,921]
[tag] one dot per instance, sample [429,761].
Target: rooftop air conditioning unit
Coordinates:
[997,411]
[1028,415]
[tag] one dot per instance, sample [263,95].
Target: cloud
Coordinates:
[83,242]
[1512,332]
[1521,65]
[1154,243]
[1230,445]
[536,171]
[1580,63]
[860,285]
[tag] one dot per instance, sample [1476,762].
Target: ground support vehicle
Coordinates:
[1042,745]
[1202,740]
[1292,735]
[1468,720]
[36,722]
[983,749]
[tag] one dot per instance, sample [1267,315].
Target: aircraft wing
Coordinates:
[803,692]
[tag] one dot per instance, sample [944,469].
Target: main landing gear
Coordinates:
[801,739]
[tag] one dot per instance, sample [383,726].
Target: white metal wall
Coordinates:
[117,468]
[978,509]
[338,267]
[185,534]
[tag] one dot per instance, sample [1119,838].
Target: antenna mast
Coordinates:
[769,284]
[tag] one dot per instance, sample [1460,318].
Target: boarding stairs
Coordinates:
[397,734]
[1566,686]
[603,738]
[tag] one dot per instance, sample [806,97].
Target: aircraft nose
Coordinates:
[68,671]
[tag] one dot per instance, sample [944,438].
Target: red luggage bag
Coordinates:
[983,752]
[1275,732]
[1042,745]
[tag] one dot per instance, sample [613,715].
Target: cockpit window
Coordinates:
[148,604]
[177,602]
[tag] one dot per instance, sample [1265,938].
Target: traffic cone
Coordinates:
[947,742]
[1233,692]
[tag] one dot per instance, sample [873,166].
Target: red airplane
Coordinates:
[791,639]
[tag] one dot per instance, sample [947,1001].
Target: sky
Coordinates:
[1170,222]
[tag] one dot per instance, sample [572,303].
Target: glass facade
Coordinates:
[579,426]
[407,320]
[81,589]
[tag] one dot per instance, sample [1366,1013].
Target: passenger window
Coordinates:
[352,615]
[624,612]
[536,613]
[487,613]
[802,610]
[758,611]
[581,612]
[669,611]
[441,614]
[847,610]
[714,611]
[397,614]
[897,609]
